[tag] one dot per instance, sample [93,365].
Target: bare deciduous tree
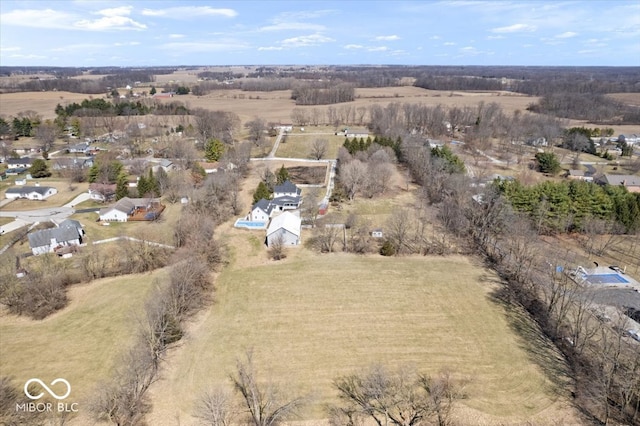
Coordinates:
[353,176]
[46,134]
[264,401]
[276,248]
[402,398]
[319,149]
[216,408]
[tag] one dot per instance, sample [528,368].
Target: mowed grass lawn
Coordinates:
[310,319]
[299,145]
[82,342]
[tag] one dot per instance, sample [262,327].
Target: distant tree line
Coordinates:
[592,107]
[312,94]
[63,82]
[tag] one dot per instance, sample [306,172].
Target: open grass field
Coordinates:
[298,144]
[310,319]
[82,342]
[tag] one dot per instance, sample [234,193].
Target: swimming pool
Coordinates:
[240,223]
[606,279]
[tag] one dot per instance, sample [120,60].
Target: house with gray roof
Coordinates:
[127,207]
[66,163]
[287,188]
[19,163]
[82,148]
[67,233]
[261,211]
[31,192]
[631,182]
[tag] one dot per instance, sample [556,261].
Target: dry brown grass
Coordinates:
[80,343]
[312,318]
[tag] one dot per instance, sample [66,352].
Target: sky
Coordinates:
[88,33]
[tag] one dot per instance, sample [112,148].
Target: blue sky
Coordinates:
[148,33]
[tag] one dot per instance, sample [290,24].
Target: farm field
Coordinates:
[80,343]
[312,318]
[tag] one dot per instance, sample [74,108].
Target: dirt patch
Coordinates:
[307,175]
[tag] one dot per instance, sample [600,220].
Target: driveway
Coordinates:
[40,215]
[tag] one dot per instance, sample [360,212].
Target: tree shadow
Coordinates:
[539,348]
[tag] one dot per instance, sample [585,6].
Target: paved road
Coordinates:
[40,215]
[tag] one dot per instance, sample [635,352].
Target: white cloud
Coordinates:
[32,18]
[435,37]
[115,11]
[268,48]
[303,15]
[176,36]
[567,34]
[10,49]
[109,23]
[495,37]
[127,43]
[185,12]
[388,38]
[198,47]
[515,28]
[52,19]
[303,41]
[448,43]
[297,26]
[353,46]
[378,49]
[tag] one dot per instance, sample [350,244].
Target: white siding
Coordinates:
[289,239]
[259,215]
[114,215]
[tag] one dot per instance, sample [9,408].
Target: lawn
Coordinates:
[65,194]
[82,342]
[312,318]
[298,145]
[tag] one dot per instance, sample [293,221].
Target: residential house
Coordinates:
[31,192]
[19,163]
[285,227]
[216,167]
[261,211]
[126,208]
[66,163]
[579,175]
[356,133]
[287,189]
[629,139]
[541,141]
[81,148]
[631,182]
[102,191]
[67,233]
[287,196]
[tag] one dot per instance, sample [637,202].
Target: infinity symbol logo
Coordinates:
[52,393]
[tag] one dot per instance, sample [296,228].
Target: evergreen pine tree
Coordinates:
[122,187]
[282,176]
[262,191]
